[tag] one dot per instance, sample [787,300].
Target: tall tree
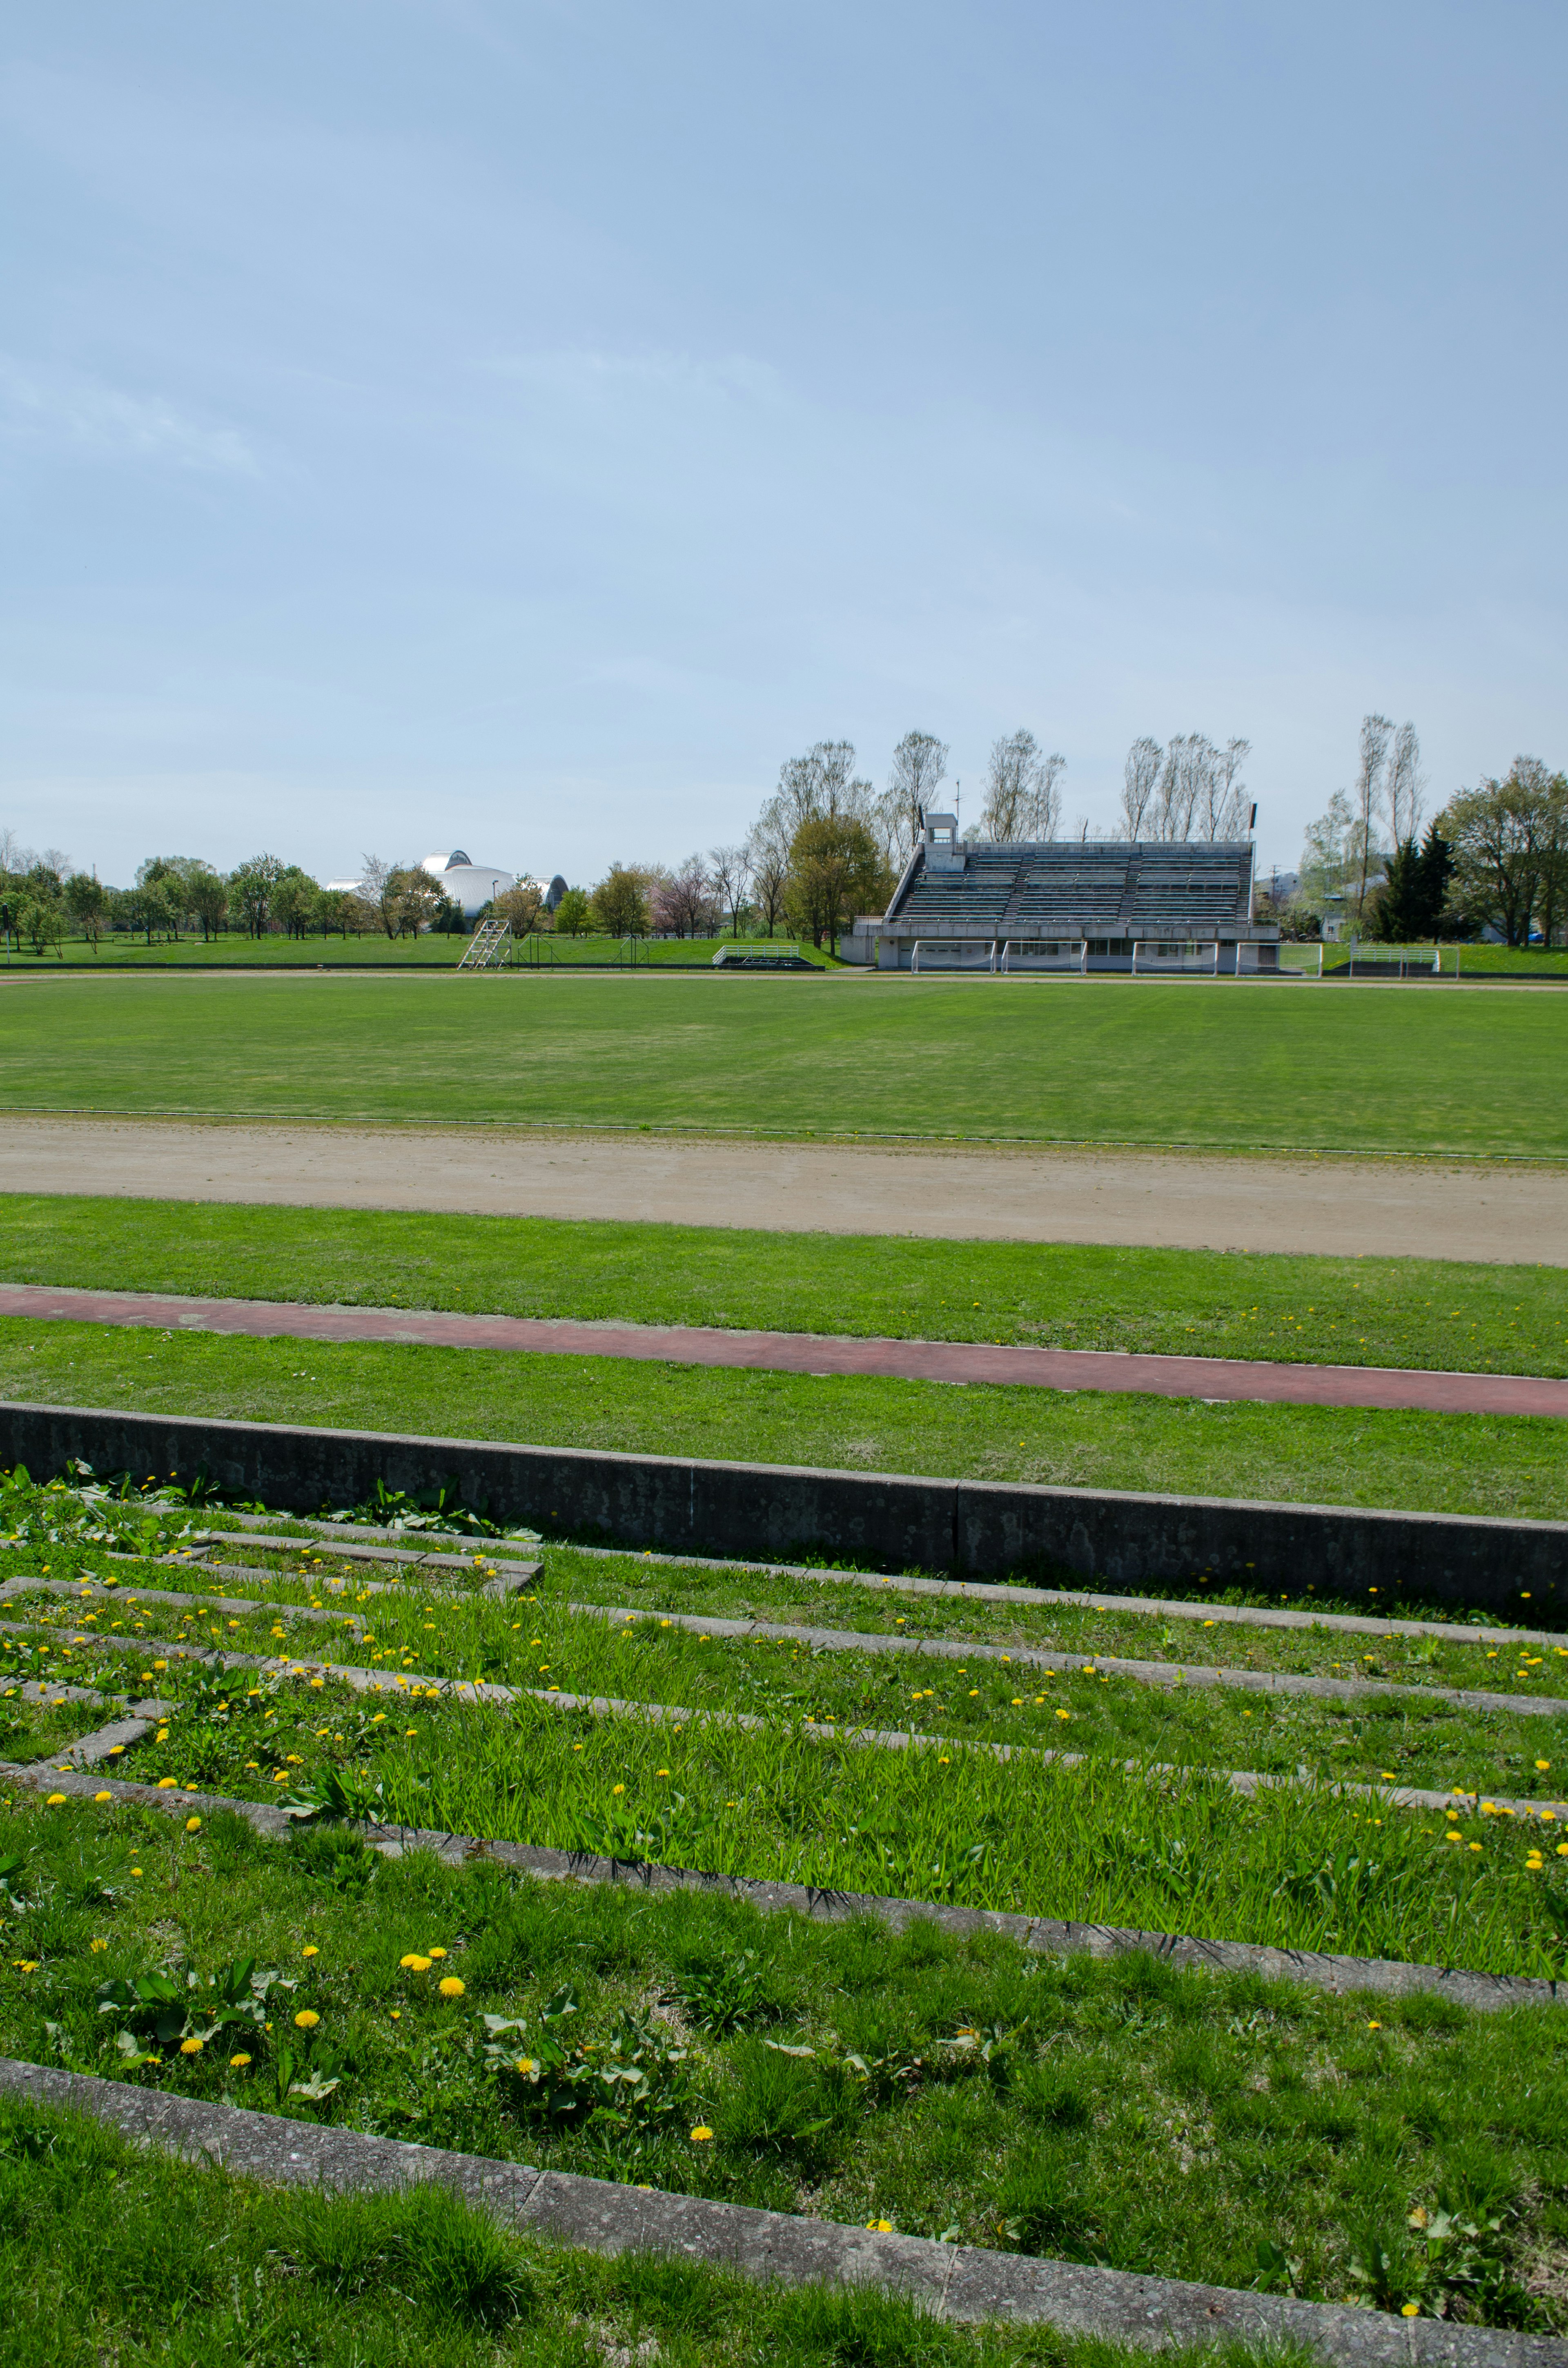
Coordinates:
[919,766]
[1140,778]
[621,902]
[683,900]
[730,872]
[1403,785]
[1510,846]
[836,871]
[250,891]
[85,901]
[1022,801]
[767,854]
[1375,733]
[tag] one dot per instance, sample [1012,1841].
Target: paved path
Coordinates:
[806,1352]
[1337,1207]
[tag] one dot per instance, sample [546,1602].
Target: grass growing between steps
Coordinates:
[107,2253]
[1410,1312]
[1096,1841]
[535,1645]
[1436,1462]
[1187,2125]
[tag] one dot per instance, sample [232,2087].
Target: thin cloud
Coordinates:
[105,423]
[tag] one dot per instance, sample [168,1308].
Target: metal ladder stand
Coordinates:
[489,948]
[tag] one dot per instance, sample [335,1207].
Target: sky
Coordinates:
[521,428]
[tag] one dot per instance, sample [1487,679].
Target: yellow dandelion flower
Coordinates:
[193,1825]
[103,1796]
[311,1951]
[702,2134]
[618,1788]
[306,2020]
[166,1784]
[238,2063]
[882,2228]
[415,1963]
[54,1800]
[191,2046]
[450,1988]
[97,1947]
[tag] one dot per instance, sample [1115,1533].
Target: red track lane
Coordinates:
[806,1352]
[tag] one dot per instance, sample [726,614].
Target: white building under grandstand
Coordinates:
[1096,905]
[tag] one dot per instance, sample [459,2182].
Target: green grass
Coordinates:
[190,2265]
[1220,1065]
[1428,1743]
[441,952]
[1437,1462]
[1403,1312]
[1102,1842]
[952,2087]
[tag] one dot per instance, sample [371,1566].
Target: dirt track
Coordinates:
[1372,1207]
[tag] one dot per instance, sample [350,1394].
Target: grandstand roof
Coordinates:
[1112,887]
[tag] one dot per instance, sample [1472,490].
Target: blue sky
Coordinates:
[443,422]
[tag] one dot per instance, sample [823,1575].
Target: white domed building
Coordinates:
[468,884]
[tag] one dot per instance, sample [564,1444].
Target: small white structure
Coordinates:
[469,884]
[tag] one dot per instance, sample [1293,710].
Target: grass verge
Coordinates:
[190,2265]
[1186,2124]
[1399,1311]
[1205,1065]
[1505,1465]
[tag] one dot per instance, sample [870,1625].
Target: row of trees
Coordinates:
[43,900]
[1494,857]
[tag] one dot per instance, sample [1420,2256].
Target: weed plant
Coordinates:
[1191,2125]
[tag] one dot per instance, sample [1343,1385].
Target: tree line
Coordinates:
[1494,857]
[43,900]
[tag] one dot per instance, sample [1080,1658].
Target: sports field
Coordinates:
[1223,1065]
[1319,1788]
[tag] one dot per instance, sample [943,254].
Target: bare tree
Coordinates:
[1403,784]
[1022,801]
[818,786]
[919,764]
[1375,730]
[730,874]
[1139,781]
[1226,803]
[768,857]
[683,900]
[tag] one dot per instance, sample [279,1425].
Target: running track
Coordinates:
[798,1352]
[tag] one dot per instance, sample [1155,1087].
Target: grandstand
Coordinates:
[1057,904]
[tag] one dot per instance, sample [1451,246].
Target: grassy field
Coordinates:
[1408,1312]
[1463,1463]
[441,952]
[1218,1065]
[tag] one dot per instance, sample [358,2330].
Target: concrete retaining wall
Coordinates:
[1518,1569]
